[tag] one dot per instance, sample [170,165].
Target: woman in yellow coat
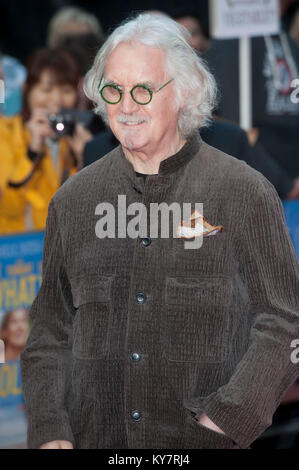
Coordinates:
[33,162]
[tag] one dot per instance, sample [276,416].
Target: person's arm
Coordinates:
[78,142]
[253,153]
[7,157]
[243,408]
[263,162]
[47,358]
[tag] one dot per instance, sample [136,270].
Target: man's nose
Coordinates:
[127,104]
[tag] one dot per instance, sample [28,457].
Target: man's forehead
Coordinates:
[135,61]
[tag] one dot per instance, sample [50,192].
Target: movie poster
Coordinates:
[20,279]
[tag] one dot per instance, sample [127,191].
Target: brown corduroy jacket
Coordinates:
[211,328]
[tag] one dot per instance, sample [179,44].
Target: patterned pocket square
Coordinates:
[197,225]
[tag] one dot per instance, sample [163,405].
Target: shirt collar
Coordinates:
[170,164]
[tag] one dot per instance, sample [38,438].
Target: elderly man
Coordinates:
[141,341]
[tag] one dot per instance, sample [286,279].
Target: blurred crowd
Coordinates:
[48,130]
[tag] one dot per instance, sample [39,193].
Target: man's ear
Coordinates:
[184,98]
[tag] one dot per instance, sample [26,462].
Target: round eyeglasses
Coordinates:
[141,94]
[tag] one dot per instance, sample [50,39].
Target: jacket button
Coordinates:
[141,298]
[146,241]
[135,357]
[136,415]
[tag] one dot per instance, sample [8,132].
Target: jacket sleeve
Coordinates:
[243,408]
[47,357]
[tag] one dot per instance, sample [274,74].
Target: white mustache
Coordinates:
[132,117]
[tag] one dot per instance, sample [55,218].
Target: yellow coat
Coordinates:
[33,197]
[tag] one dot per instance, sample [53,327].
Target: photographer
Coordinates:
[34,160]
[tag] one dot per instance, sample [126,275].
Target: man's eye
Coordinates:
[116,88]
[113,89]
[141,89]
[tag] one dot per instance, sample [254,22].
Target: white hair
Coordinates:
[68,15]
[189,71]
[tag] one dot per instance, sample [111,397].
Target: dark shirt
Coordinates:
[141,175]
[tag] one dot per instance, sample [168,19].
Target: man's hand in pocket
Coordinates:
[57,445]
[204,420]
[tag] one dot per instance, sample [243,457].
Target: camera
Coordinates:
[64,122]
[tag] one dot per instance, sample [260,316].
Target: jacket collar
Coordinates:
[168,166]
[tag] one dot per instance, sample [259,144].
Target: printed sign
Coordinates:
[238,18]
[13,420]
[20,269]
[291,212]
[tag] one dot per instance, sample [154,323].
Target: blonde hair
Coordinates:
[71,15]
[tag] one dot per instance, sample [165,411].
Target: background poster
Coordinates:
[20,279]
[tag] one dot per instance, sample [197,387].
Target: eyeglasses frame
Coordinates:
[131,92]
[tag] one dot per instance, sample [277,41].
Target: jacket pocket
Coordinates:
[197,320]
[92,300]
[83,418]
[201,437]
